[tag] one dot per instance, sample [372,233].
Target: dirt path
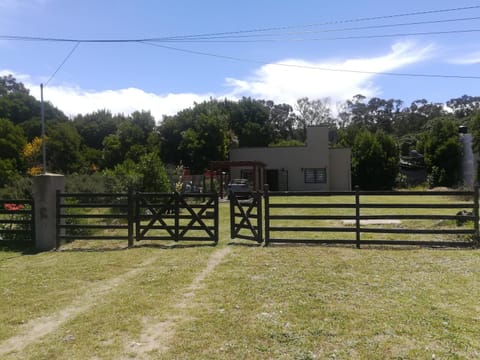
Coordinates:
[158,335]
[35,329]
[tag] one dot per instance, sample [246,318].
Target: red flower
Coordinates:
[13,207]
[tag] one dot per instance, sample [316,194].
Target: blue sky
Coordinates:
[282,65]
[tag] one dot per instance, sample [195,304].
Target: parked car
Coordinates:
[240,187]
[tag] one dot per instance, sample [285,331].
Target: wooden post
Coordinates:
[130,216]
[57,217]
[475,213]
[216,218]
[32,222]
[232,199]
[221,184]
[357,216]
[267,214]
[258,197]
[176,196]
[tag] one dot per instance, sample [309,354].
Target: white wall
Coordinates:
[316,154]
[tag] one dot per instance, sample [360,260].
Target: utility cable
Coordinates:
[63,63]
[259,30]
[352,37]
[226,40]
[416,75]
[332,30]
[381,17]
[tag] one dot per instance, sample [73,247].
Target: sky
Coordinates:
[181,52]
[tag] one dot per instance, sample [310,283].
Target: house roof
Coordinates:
[228,164]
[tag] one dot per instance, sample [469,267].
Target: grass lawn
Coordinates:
[96,300]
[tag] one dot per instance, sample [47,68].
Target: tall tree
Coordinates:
[442,149]
[374,160]
[315,112]
[249,121]
[64,148]
[12,142]
[94,127]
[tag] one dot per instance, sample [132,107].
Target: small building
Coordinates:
[312,167]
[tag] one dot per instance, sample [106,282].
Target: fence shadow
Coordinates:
[13,246]
[172,246]
[243,244]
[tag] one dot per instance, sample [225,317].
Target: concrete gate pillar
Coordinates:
[44,195]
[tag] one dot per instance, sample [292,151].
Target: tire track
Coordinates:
[34,330]
[156,336]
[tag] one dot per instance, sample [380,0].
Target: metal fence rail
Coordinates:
[310,218]
[17,220]
[246,218]
[94,216]
[140,216]
[178,217]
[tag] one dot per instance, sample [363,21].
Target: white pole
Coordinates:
[44,151]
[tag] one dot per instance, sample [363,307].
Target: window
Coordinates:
[315,176]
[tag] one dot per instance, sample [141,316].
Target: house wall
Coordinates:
[315,154]
[340,173]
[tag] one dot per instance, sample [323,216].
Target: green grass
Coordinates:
[280,302]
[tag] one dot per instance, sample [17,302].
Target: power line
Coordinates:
[260,30]
[337,22]
[416,75]
[352,37]
[63,62]
[331,30]
[225,40]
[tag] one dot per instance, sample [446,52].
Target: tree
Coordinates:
[9,85]
[207,140]
[111,154]
[147,175]
[464,106]
[284,123]
[12,142]
[391,158]
[94,127]
[474,127]
[17,105]
[64,148]
[374,160]
[249,119]
[314,112]
[195,136]
[442,150]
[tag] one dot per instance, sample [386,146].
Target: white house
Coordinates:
[312,167]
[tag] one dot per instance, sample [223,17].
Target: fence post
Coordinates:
[58,219]
[267,214]
[44,196]
[357,216]
[231,198]
[32,222]
[177,215]
[259,217]
[130,215]
[475,213]
[216,218]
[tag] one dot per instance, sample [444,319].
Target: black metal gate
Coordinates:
[174,216]
[246,216]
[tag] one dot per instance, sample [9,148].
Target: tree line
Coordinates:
[134,149]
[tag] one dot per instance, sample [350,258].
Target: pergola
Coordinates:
[227,165]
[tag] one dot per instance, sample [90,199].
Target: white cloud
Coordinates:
[273,82]
[290,79]
[467,59]
[75,101]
